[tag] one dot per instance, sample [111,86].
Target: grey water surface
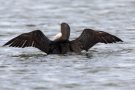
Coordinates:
[104,67]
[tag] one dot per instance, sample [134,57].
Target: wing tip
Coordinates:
[6,44]
[119,40]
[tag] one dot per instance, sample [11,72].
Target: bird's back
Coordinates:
[59,47]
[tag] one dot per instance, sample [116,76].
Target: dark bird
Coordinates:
[61,44]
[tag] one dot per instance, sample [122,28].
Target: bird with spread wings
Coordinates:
[62,45]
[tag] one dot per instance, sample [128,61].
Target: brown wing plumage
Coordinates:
[89,38]
[32,39]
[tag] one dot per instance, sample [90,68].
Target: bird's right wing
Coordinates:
[32,39]
[90,37]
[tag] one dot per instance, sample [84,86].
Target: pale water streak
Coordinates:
[105,67]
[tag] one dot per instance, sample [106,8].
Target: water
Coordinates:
[105,67]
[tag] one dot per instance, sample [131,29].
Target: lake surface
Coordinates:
[105,67]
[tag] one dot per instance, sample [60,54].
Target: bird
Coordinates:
[61,44]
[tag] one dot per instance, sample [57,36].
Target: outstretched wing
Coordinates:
[89,38]
[32,39]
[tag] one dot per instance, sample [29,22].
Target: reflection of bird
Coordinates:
[61,44]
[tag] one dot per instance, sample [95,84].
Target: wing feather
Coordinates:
[31,39]
[90,37]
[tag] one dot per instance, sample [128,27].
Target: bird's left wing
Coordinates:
[31,39]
